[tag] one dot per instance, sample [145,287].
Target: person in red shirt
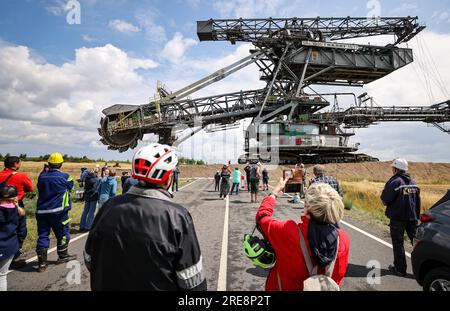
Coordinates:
[22,182]
[323,211]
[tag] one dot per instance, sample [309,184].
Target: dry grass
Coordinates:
[33,170]
[361,182]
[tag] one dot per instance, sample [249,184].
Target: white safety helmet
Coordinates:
[400,164]
[154,163]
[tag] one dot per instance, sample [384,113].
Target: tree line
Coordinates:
[67,158]
[85,159]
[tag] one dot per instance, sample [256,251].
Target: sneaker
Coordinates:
[19,260]
[394,271]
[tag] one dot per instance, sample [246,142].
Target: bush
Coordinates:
[191,161]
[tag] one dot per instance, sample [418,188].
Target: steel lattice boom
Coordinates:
[318,29]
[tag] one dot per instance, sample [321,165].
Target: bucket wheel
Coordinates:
[122,141]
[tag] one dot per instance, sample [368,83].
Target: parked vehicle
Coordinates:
[431,254]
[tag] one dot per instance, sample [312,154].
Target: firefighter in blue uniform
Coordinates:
[52,212]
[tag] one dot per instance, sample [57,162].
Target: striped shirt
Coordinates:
[329,180]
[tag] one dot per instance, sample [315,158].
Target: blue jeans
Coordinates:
[4,267]
[87,218]
[22,227]
[235,185]
[102,200]
[175,185]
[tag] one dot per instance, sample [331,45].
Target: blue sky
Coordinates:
[61,76]
[41,25]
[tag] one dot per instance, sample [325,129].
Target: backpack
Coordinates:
[253,171]
[5,182]
[318,282]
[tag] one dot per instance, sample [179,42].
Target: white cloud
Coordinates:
[56,7]
[69,99]
[219,147]
[405,8]
[174,49]
[441,16]
[414,85]
[263,8]
[147,21]
[123,26]
[88,38]
[404,87]
[42,104]
[192,69]
[193,3]
[248,8]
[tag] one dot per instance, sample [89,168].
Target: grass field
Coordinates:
[364,196]
[33,170]
[362,184]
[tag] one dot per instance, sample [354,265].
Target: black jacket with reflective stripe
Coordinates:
[143,241]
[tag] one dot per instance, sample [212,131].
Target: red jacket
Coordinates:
[290,264]
[20,180]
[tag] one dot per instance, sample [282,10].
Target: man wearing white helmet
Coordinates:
[142,240]
[402,199]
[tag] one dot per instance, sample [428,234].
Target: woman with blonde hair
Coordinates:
[327,245]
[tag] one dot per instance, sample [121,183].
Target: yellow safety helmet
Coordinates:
[55,158]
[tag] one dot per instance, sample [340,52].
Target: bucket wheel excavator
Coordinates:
[294,56]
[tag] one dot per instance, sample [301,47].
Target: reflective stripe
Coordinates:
[192,276]
[66,221]
[406,186]
[61,249]
[70,178]
[66,199]
[87,257]
[50,211]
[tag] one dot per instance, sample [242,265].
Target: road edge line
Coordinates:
[222,279]
[181,188]
[371,236]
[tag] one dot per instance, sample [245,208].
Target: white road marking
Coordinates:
[222,279]
[362,232]
[371,236]
[51,250]
[189,184]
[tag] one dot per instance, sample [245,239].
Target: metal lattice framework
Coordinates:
[359,117]
[317,29]
[291,54]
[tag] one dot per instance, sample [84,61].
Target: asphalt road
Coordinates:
[226,266]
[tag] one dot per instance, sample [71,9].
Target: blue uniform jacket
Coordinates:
[402,198]
[83,175]
[9,219]
[54,189]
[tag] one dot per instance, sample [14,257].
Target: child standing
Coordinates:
[9,219]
